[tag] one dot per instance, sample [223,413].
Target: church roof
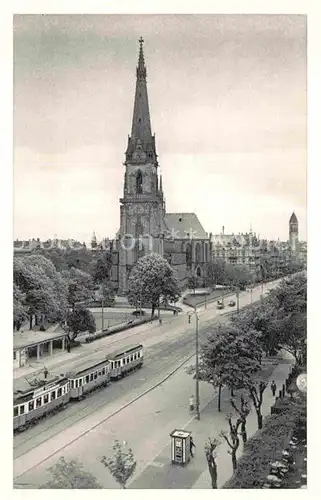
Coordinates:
[293,218]
[184,226]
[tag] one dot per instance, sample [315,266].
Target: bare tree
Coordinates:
[233,441]
[257,397]
[243,410]
[210,446]
[121,465]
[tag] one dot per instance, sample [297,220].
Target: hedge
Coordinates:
[117,329]
[262,448]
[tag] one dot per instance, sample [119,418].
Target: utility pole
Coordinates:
[237,300]
[102,314]
[197,389]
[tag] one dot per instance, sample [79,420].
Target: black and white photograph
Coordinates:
[159,251]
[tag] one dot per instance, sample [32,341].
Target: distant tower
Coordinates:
[94,241]
[294,233]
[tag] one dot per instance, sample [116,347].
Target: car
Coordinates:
[220,305]
[231,303]
[137,313]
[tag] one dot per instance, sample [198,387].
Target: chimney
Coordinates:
[223,230]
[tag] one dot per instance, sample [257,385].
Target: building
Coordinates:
[145,226]
[294,234]
[31,345]
[297,248]
[237,249]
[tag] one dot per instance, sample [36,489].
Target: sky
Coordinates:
[227,96]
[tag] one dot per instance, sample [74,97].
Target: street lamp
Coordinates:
[196,365]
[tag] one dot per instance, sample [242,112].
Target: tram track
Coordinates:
[108,417]
[81,409]
[87,407]
[180,335]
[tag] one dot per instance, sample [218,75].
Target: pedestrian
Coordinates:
[273,387]
[191,446]
[191,404]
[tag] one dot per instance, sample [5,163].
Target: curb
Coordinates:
[106,418]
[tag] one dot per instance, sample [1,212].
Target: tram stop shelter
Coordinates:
[36,345]
[180,447]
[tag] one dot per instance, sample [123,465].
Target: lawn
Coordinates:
[111,318]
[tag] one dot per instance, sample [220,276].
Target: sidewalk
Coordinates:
[161,474]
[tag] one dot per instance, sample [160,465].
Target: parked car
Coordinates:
[137,313]
[220,305]
[231,303]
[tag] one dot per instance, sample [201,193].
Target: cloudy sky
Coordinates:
[228,107]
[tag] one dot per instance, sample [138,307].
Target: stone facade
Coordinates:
[144,225]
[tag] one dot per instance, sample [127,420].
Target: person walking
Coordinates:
[273,387]
[191,446]
[191,404]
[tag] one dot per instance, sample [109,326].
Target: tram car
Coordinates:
[33,402]
[35,399]
[124,362]
[87,376]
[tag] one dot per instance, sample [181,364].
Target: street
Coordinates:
[167,346]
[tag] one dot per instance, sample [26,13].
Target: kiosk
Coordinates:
[180,447]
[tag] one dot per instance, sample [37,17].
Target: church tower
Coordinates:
[142,207]
[294,233]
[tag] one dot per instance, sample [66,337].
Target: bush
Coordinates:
[261,449]
[116,329]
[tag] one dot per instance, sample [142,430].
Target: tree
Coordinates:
[210,454]
[106,293]
[102,266]
[216,272]
[238,275]
[70,475]
[256,395]
[192,283]
[243,411]
[260,450]
[80,320]
[41,297]
[259,318]
[152,279]
[229,357]
[19,310]
[121,465]
[233,441]
[80,287]
[289,301]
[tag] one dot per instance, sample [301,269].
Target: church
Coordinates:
[145,226]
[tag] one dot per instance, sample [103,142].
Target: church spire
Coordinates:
[141,134]
[141,69]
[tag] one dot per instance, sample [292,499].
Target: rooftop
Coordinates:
[29,338]
[185,226]
[33,381]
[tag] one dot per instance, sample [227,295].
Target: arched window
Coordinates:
[198,252]
[189,254]
[139,182]
[198,272]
